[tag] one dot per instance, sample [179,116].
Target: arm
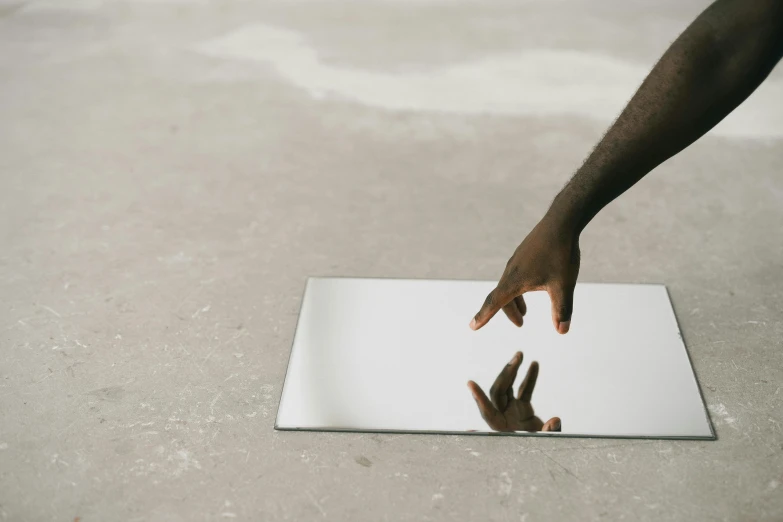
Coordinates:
[714,65]
[720,59]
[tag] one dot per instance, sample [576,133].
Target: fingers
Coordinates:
[552,424]
[513,313]
[489,413]
[520,300]
[527,386]
[501,392]
[496,300]
[515,310]
[562,298]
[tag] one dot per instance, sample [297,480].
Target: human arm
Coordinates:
[712,67]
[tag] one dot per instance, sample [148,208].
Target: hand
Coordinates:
[506,413]
[548,259]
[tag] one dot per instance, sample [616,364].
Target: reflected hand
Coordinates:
[505,412]
[548,259]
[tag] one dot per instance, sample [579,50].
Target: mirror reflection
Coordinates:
[507,411]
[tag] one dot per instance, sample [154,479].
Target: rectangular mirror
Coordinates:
[391,355]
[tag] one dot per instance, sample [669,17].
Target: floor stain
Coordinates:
[535,82]
[8,10]
[363,461]
[109,393]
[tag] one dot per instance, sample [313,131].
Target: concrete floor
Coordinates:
[172,171]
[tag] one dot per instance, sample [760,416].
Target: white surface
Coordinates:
[388,354]
[536,82]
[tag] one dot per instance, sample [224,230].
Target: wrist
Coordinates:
[567,212]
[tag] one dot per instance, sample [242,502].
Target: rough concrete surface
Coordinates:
[172,171]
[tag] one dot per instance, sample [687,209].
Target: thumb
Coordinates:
[496,300]
[552,424]
[562,305]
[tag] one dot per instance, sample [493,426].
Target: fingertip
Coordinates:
[563,327]
[473,324]
[552,425]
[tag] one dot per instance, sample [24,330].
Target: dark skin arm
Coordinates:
[714,65]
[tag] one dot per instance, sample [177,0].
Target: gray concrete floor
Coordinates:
[172,171]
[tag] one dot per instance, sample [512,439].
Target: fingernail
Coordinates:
[514,359]
[563,327]
[473,324]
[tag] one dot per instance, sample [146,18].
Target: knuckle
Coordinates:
[505,288]
[513,274]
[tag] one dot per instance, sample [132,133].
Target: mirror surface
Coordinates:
[397,355]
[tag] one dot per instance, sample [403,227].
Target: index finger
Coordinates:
[496,299]
[489,413]
[501,391]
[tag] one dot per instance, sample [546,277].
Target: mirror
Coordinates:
[394,355]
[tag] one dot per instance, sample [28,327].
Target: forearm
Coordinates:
[708,71]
